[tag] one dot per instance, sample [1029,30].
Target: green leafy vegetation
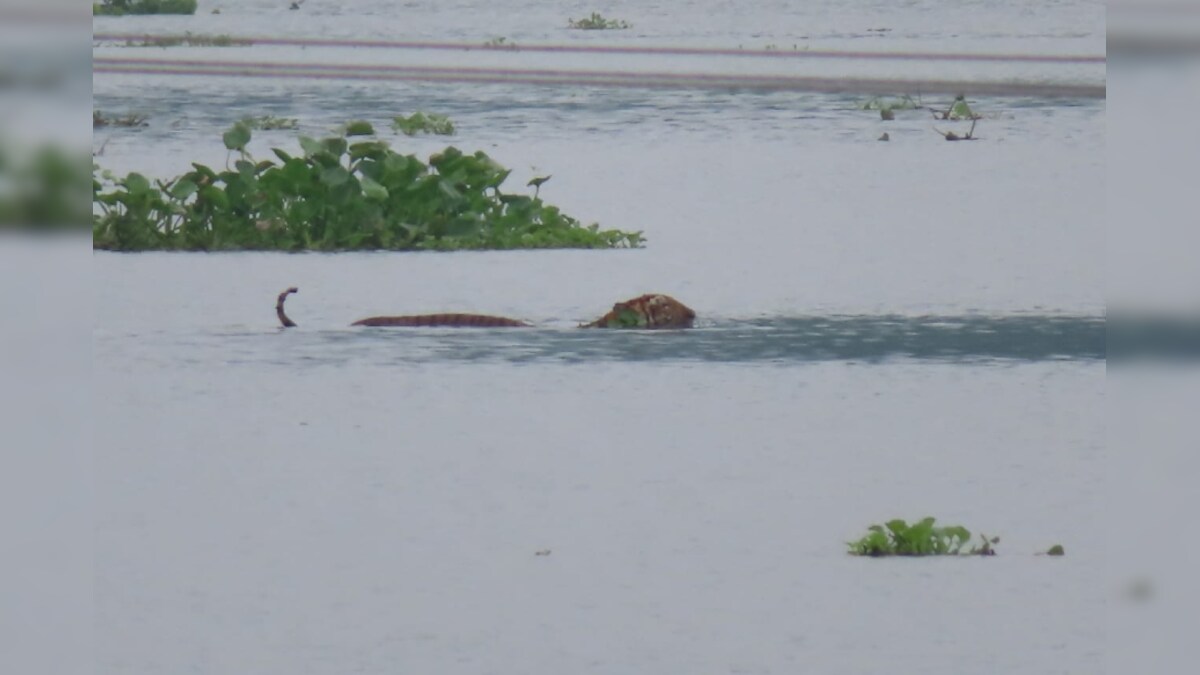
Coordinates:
[123,7]
[905,102]
[959,110]
[887,107]
[598,22]
[99,119]
[419,122]
[1056,550]
[270,122]
[336,195]
[500,43]
[922,538]
[42,188]
[185,40]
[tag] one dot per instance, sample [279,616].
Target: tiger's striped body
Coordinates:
[443,320]
[653,310]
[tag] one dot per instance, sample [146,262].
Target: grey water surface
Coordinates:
[884,330]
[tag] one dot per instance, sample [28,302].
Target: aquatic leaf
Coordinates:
[449,190]
[297,172]
[281,154]
[214,197]
[957,531]
[372,149]
[373,190]
[237,137]
[182,189]
[311,146]
[136,184]
[336,146]
[203,174]
[961,111]
[334,175]
[245,169]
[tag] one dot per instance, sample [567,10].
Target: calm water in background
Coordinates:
[886,330]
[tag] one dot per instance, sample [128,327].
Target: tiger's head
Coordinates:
[654,310]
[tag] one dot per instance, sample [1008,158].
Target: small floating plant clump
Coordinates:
[428,123]
[270,122]
[123,7]
[185,40]
[905,102]
[335,195]
[959,110]
[922,538]
[598,22]
[99,120]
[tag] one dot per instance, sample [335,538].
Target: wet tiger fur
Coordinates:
[433,320]
[654,310]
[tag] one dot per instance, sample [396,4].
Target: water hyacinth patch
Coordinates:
[922,538]
[123,7]
[419,122]
[340,193]
[270,122]
[598,22]
[99,119]
[186,40]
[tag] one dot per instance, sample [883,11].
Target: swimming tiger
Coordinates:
[653,310]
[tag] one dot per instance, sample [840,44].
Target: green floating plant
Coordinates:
[185,40]
[419,122]
[598,22]
[922,538]
[123,7]
[270,122]
[340,193]
[905,102]
[99,119]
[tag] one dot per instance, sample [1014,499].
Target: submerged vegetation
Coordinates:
[419,122]
[598,22]
[922,538]
[887,107]
[905,102]
[186,40]
[335,195]
[122,7]
[270,122]
[99,119]
[500,43]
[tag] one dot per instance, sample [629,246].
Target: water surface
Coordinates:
[885,330]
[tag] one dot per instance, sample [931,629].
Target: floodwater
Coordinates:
[885,330]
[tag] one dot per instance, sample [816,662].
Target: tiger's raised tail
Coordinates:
[283,318]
